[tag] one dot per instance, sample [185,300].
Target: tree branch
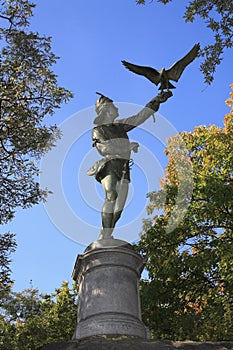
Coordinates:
[7,18]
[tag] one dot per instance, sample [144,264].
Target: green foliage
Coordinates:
[28,93]
[7,246]
[30,320]
[189,291]
[218,16]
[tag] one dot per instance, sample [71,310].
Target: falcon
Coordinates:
[163,76]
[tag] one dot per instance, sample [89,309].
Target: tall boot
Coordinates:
[107,229]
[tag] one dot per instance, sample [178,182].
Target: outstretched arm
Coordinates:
[150,108]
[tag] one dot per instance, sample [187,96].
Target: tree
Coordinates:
[189,290]
[218,16]
[28,92]
[7,246]
[30,320]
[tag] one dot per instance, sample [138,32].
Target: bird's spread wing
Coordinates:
[177,68]
[150,73]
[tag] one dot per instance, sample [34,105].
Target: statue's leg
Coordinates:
[122,193]
[109,183]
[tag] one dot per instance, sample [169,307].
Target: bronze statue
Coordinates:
[111,140]
[163,76]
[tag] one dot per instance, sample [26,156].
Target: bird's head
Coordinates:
[162,71]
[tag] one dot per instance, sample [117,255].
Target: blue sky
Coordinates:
[91,38]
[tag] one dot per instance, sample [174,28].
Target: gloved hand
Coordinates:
[164,95]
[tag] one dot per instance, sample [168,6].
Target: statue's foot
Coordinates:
[105,233]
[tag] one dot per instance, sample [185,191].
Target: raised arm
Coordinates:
[150,108]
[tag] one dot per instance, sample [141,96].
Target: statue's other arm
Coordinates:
[150,108]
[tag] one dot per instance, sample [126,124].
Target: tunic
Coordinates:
[112,142]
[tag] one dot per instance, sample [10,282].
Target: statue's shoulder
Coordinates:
[120,122]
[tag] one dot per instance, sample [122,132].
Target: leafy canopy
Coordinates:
[30,320]
[189,291]
[28,92]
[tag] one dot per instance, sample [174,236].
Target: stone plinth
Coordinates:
[108,276]
[136,344]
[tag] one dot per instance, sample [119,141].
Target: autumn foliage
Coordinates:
[188,294]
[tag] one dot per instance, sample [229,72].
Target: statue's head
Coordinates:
[105,109]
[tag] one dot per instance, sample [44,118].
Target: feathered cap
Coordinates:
[99,106]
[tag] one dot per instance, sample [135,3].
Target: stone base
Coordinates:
[108,276]
[108,243]
[110,323]
[136,344]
